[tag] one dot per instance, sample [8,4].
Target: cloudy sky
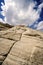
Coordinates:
[22,12]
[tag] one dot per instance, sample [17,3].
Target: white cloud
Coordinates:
[1,20]
[41,5]
[40,25]
[20,12]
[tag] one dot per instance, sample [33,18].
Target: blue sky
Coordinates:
[27,12]
[1,16]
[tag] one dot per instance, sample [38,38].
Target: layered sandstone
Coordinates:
[21,46]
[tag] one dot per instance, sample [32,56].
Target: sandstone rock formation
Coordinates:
[21,46]
[4,26]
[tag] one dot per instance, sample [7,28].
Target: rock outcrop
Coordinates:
[21,46]
[4,26]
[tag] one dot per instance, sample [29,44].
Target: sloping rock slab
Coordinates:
[13,33]
[5,46]
[1,59]
[37,56]
[22,53]
[12,36]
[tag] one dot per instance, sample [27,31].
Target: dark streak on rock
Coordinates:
[34,35]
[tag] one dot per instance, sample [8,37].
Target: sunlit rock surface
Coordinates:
[21,46]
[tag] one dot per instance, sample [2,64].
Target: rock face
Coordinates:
[21,46]
[4,26]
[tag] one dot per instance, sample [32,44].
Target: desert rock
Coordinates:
[21,46]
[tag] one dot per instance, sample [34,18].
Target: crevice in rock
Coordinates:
[34,35]
[39,47]
[11,46]
[10,49]
[8,52]
[7,38]
[11,38]
[1,59]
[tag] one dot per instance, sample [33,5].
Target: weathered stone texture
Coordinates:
[25,44]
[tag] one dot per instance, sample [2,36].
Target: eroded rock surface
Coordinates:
[21,46]
[4,26]
[5,46]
